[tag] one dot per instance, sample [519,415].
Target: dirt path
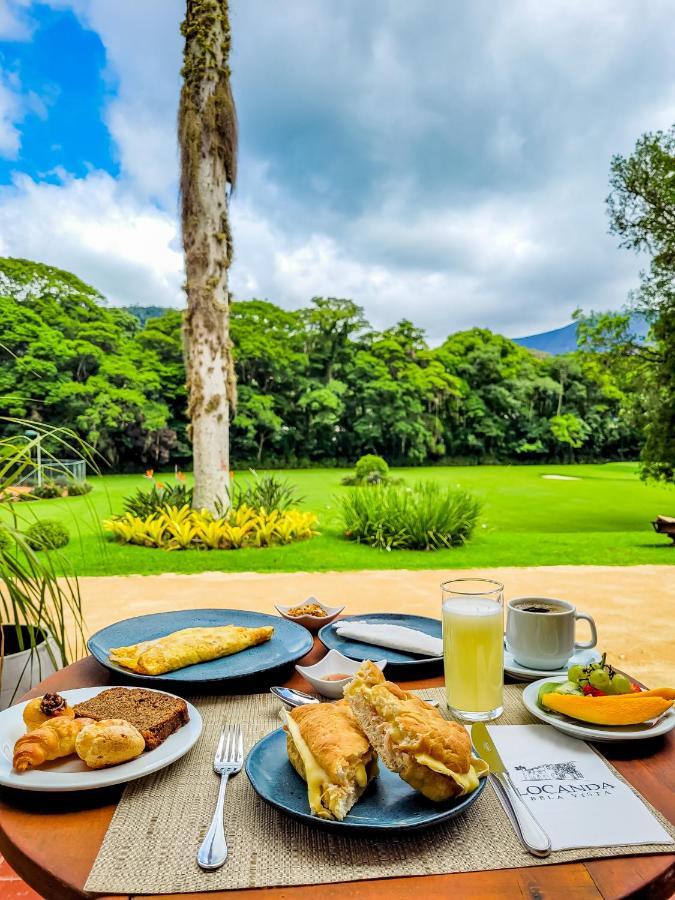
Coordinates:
[634,607]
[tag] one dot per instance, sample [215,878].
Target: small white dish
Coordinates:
[70,773]
[333,663]
[311,623]
[524,673]
[589,732]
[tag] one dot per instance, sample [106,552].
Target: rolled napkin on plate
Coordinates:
[396,637]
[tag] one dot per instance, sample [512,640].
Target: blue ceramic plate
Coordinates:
[357,650]
[389,804]
[289,642]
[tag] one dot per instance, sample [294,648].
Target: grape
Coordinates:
[599,679]
[621,684]
[575,673]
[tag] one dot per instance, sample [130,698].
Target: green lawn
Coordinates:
[602,519]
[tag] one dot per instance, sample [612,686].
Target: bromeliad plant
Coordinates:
[146,502]
[175,528]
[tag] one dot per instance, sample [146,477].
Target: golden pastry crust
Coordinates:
[41,709]
[429,752]
[108,743]
[334,736]
[188,647]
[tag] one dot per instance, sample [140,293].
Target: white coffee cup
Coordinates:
[544,640]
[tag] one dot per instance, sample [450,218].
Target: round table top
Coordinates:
[52,840]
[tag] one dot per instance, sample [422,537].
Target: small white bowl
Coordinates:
[333,663]
[311,623]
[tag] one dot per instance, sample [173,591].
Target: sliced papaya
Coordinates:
[620,709]
[665,693]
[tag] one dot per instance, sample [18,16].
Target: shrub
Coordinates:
[370,469]
[47,535]
[265,492]
[370,466]
[145,503]
[78,488]
[48,490]
[185,528]
[424,517]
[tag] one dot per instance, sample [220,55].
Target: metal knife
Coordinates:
[533,836]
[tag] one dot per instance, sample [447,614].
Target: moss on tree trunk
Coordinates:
[207,133]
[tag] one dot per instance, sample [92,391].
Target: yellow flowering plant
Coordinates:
[183,528]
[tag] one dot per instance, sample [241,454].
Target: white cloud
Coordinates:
[443,162]
[11,113]
[14,23]
[94,227]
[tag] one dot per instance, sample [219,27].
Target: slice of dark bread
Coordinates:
[156,715]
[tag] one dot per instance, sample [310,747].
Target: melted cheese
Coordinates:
[467,782]
[315,775]
[361,775]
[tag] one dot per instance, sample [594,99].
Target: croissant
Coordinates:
[43,709]
[54,739]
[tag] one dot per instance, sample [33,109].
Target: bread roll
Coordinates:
[42,709]
[109,743]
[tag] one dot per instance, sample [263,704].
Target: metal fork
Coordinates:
[228,761]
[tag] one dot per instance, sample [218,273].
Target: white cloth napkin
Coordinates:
[397,637]
[576,798]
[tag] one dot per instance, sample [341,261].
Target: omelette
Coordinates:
[187,647]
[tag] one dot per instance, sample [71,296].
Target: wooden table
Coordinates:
[52,839]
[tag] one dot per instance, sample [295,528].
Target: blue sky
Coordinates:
[442,161]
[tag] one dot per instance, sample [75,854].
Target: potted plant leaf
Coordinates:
[41,626]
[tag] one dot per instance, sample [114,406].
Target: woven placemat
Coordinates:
[152,841]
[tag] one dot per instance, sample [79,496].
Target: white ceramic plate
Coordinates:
[524,673]
[70,773]
[589,732]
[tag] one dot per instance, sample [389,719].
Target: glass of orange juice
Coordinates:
[473,647]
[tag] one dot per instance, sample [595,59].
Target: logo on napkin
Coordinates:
[547,782]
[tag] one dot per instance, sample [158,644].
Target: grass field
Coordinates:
[601,519]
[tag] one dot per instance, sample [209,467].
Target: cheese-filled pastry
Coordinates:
[432,754]
[331,753]
[187,647]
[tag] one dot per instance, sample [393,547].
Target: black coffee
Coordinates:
[536,606]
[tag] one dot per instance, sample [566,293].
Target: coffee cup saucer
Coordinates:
[523,673]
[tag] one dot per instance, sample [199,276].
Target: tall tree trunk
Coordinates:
[207,134]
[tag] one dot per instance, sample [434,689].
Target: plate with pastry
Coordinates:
[199,645]
[402,640]
[379,761]
[93,737]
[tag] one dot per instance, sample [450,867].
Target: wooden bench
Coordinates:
[665,525]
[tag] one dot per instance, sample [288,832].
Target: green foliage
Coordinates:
[641,209]
[48,490]
[144,503]
[78,488]
[370,469]
[424,517]
[183,528]
[316,386]
[47,534]
[31,594]
[265,492]
[6,539]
